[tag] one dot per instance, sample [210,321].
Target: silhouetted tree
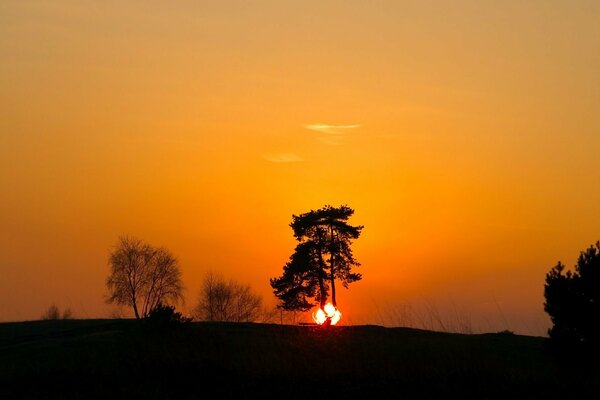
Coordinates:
[573,300]
[53,313]
[67,314]
[323,255]
[222,300]
[143,276]
[165,315]
[303,278]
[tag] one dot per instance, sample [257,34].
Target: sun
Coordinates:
[328,315]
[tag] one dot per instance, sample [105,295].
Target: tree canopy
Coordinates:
[322,256]
[573,300]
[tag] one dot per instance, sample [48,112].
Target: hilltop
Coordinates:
[125,358]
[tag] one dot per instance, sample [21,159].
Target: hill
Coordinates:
[125,358]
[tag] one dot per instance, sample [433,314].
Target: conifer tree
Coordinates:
[322,256]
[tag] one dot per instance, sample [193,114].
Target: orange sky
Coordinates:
[465,135]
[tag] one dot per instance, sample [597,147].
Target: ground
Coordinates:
[126,358]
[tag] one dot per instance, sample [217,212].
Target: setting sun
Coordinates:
[329,312]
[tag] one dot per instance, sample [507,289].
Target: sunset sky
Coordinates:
[465,135]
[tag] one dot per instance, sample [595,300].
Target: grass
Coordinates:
[123,358]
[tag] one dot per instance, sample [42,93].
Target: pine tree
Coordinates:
[573,300]
[323,255]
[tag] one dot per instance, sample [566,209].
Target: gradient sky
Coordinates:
[465,134]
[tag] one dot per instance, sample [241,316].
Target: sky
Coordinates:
[465,135]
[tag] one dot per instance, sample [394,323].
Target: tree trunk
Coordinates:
[331,267]
[135,309]
[322,296]
[333,289]
[322,274]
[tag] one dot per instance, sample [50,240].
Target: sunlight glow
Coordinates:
[329,312]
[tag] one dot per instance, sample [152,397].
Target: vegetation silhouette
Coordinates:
[53,313]
[142,276]
[164,315]
[222,300]
[573,301]
[322,255]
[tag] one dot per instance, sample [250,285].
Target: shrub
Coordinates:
[163,314]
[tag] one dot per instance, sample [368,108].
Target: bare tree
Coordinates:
[142,276]
[53,313]
[163,281]
[67,314]
[222,300]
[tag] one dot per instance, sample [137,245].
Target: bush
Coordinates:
[163,314]
[573,300]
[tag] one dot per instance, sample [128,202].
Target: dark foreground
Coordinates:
[113,359]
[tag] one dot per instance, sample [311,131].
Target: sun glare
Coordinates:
[328,315]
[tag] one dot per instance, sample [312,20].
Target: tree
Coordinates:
[222,300]
[573,300]
[322,256]
[53,313]
[303,278]
[142,276]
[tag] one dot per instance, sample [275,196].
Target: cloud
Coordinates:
[334,133]
[282,158]
[331,129]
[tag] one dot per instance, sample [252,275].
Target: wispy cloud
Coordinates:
[282,158]
[331,129]
[333,133]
